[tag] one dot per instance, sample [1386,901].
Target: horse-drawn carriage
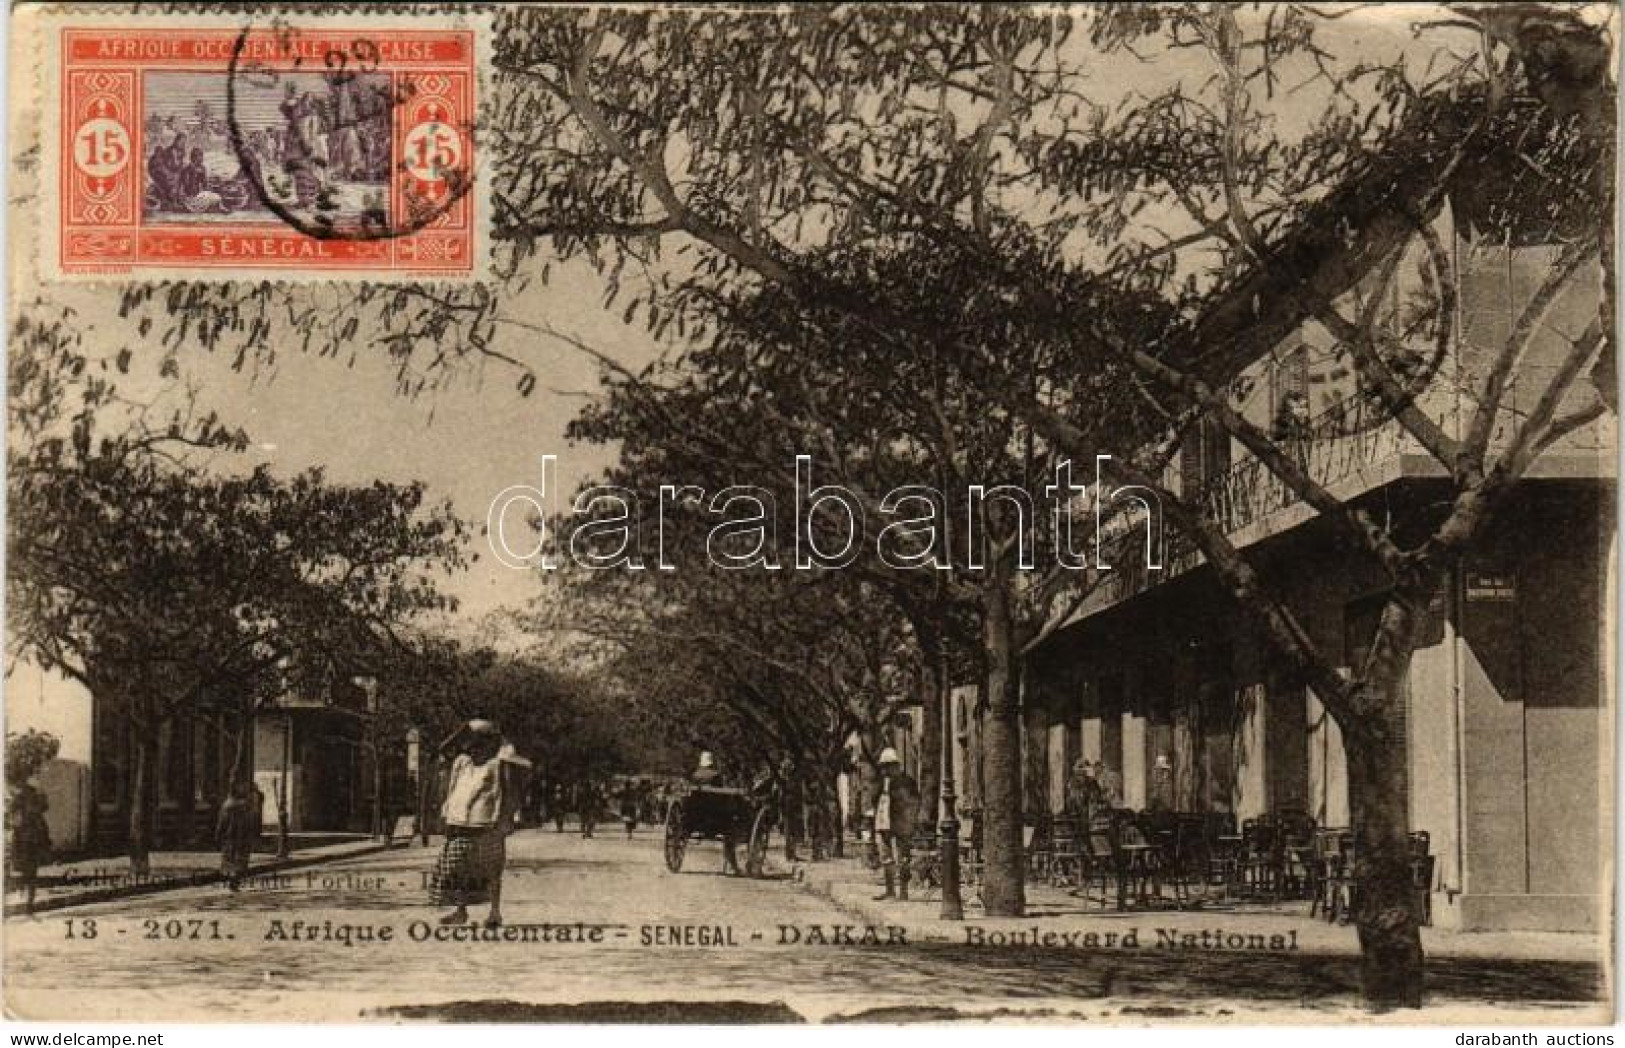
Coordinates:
[715,813]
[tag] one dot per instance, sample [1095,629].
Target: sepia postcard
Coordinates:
[882,513]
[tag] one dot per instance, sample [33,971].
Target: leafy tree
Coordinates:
[27,752]
[1287,258]
[168,590]
[1246,216]
[879,412]
[561,720]
[774,671]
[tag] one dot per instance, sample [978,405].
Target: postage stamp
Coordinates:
[311,145]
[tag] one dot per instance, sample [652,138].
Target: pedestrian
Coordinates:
[792,809]
[256,816]
[707,774]
[236,831]
[535,802]
[1111,785]
[1083,793]
[559,802]
[1162,785]
[469,870]
[629,808]
[28,844]
[894,806]
[590,800]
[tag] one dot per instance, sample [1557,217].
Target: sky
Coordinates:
[466,442]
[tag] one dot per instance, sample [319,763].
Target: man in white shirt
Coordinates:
[895,805]
[469,870]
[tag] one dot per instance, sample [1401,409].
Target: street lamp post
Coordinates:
[283,800]
[380,831]
[414,775]
[953,907]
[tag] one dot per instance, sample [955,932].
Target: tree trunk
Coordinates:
[379,811]
[821,829]
[822,813]
[1386,911]
[829,806]
[284,846]
[934,703]
[210,736]
[144,729]
[1035,754]
[794,813]
[1003,892]
[420,776]
[1387,914]
[239,772]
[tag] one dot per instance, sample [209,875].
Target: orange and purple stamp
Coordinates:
[307,147]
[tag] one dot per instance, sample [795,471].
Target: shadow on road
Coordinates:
[547,865]
[1165,975]
[708,1013]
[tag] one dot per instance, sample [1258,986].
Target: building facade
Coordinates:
[1507,721]
[311,758]
[314,761]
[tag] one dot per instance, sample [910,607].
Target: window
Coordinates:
[173,761]
[1111,723]
[1289,395]
[1204,457]
[109,754]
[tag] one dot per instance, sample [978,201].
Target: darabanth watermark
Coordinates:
[918,528]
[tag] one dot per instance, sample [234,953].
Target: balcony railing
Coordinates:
[1340,445]
[1334,452]
[1250,491]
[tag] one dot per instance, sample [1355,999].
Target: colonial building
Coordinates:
[314,760]
[193,765]
[1507,721]
[311,758]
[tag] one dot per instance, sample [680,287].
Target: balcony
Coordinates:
[1348,457]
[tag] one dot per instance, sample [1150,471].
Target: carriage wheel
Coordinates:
[756,852]
[676,837]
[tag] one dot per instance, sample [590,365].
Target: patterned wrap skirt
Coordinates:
[470,863]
